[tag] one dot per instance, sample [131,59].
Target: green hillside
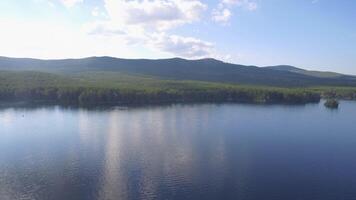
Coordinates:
[179,69]
[319,74]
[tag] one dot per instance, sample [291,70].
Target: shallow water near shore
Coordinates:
[197,151]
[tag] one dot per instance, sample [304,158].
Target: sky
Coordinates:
[311,34]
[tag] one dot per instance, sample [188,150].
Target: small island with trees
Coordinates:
[332,104]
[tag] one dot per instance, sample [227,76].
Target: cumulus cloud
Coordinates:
[122,28]
[222,13]
[154,14]
[146,22]
[103,29]
[182,46]
[187,47]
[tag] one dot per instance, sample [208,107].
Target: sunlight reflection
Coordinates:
[114,181]
[7,117]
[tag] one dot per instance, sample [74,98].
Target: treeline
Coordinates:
[100,96]
[102,88]
[339,93]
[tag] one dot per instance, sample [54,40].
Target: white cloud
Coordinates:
[128,28]
[222,15]
[145,22]
[103,29]
[187,47]
[154,14]
[50,40]
[70,3]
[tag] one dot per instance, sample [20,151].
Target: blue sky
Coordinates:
[312,34]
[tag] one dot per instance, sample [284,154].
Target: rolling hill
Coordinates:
[319,74]
[209,70]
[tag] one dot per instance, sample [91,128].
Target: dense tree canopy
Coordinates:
[111,88]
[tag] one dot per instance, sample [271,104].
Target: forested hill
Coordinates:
[307,72]
[180,69]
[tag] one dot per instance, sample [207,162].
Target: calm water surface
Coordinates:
[229,151]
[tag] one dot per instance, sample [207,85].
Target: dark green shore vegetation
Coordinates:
[101,88]
[344,93]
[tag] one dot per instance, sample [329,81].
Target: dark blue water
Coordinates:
[230,151]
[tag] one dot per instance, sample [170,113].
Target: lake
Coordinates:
[208,151]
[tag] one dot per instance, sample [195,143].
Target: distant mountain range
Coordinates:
[182,69]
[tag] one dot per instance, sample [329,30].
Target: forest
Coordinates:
[107,88]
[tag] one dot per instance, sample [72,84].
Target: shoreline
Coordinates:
[29,104]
